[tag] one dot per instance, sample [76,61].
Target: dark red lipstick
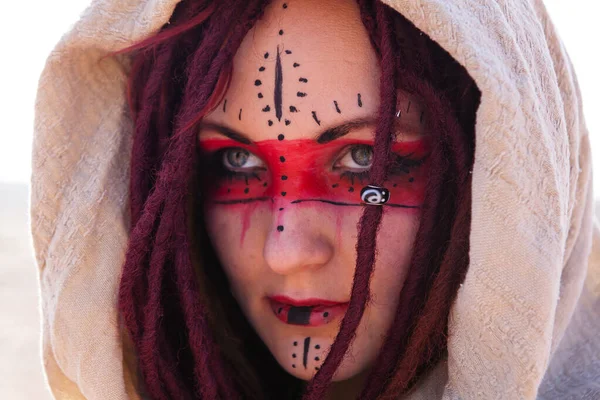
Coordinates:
[306,312]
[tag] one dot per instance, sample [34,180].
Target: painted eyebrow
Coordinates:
[337,132]
[326,136]
[226,131]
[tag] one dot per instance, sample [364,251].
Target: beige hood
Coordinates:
[526,320]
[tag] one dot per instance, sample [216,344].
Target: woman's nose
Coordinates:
[298,240]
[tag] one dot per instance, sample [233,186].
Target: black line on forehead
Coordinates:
[225,105]
[341,130]
[314,114]
[230,133]
[278,95]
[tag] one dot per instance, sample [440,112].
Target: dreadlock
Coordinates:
[188,342]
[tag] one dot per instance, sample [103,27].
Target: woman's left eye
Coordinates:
[358,157]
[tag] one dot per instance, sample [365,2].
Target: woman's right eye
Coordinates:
[238,159]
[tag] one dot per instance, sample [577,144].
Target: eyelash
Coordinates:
[403,165]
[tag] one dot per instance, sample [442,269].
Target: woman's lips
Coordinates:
[309,312]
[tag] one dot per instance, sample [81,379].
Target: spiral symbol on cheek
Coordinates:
[374,195]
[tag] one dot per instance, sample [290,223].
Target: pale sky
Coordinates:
[30,29]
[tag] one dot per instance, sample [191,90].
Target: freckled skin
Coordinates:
[268,242]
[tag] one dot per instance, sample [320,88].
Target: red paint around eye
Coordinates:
[302,170]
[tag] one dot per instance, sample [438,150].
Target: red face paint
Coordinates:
[304,170]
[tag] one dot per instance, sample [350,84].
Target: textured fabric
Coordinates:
[525,322]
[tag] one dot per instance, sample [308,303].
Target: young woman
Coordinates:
[291,205]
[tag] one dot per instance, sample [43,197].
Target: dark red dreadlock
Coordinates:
[173,295]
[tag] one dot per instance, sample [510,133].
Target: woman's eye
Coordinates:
[238,158]
[357,157]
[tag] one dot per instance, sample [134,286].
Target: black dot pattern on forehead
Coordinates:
[287,122]
[296,65]
[284,177]
[257,82]
[284,5]
[303,80]
[280,228]
[301,94]
[317,347]
[280,136]
[261,69]
[281,209]
[266,55]
[281,31]
[282,158]
[260,95]
[266,109]
[293,109]
[288,52]
[283,193]
[270,122]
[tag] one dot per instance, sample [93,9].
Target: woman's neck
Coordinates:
[349,389]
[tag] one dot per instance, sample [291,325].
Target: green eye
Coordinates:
[362,155]
[357,157]
[238,158]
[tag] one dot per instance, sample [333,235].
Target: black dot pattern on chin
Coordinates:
[280,228]
[281,31]
[294,355]
[284,177]
[280,137]
[335,185]
[317,358]
[282,158]
[295,343]
[317,347]
[411,179]
[283,193]
[326,314]
[293,365]
[284,5]
[281,209]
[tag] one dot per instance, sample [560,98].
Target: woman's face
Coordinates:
[290,149]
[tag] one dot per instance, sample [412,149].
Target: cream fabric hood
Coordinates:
[526,320]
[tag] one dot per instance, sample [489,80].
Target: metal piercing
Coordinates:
[374,195]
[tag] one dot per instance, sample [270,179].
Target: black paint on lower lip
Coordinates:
[299,315]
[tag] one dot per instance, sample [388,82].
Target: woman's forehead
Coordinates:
[304,66]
